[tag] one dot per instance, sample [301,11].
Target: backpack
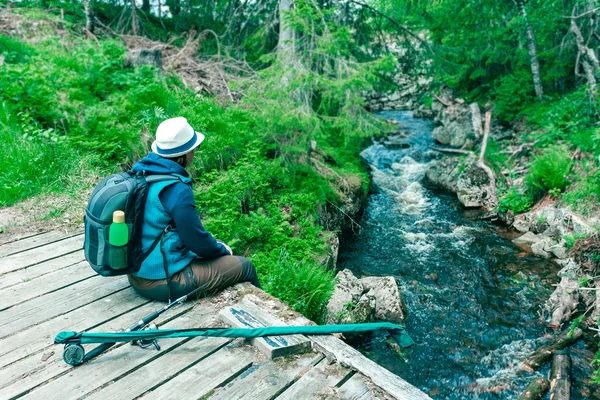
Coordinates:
[125,191]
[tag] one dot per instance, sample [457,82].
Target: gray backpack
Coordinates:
[125,191]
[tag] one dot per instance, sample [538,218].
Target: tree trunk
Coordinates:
[531,46]
[146,6]
[285,44]
[560,376]
[590,61]
[134,19]
[536,389]
[89,15]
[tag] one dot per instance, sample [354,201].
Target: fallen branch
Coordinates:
[450,150]
[536,389]
[492,196]
[444,102]
[543,354]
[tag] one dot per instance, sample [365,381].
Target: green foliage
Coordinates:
[584,196]
[570,239]
[13,50]
[512,93]
[516,201]
[549,171]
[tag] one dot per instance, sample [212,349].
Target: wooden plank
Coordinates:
[267,379]
[31,257]
[115,364]
[48,283]
[355,388]
[31,372]
[56,303]
[248,315]
[202,378]
[312,384]
[201,368]
[162,369]
[336,349]
[41,336]
[34,241]
[41,269]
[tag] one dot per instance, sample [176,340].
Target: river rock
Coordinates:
[349,303]
[521,225]
[560,250]
[471,186]
[528,239]
[443,173]
[389,305]
[542,247]
[365,300]
[564,300]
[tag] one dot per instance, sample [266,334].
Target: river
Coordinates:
[473,298]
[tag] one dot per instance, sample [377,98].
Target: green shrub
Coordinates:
[516,201]
[513,93]
[13,50]
[549,171]
[584,196]
[570,239]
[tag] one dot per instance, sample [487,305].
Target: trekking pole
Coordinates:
[74,353]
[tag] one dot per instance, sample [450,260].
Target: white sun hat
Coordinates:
[175,137]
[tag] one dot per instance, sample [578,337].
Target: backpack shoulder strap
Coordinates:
[161,178]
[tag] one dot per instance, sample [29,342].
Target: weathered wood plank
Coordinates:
[39,254]
[265,380]
[354,388]
[116,363]
[29,373]
[48,283]
[41,269]
[204,377]
[248,315]
[336,349]
[62,301]
[161,370]
[41,336]
[31,242]
[311,384]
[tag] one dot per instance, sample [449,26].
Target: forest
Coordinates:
[286,93]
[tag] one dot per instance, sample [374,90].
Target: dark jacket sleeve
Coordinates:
[178,200]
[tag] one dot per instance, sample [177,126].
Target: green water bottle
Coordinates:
[118,235]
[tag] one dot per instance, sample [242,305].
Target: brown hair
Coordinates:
[181,160]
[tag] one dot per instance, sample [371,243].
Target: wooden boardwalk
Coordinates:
[47,287]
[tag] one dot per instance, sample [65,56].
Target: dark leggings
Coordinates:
[212,275]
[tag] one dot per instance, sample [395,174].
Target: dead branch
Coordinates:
[450,150]
[493,197]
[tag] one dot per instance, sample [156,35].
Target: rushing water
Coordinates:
[473,298]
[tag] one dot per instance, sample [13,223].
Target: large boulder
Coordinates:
[349,304]
[444,173]
[472,186]
[564,300]
[389,305]
[365,300]
[456,125]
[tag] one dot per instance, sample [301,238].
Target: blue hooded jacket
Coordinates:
[172,202]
